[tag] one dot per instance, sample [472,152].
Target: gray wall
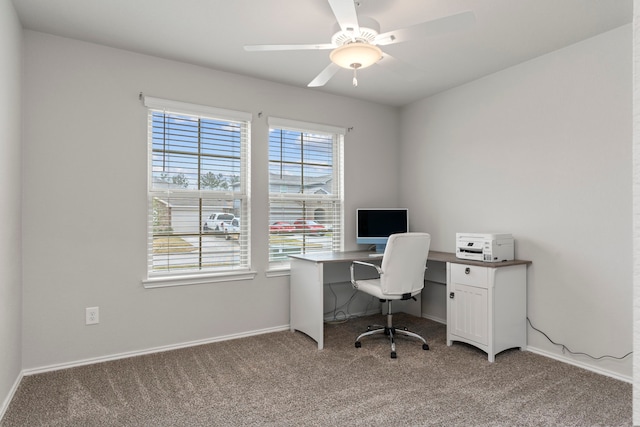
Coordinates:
[10,193]
[541,150]
[85,154]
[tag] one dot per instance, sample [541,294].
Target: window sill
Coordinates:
[277,272]
[196,279]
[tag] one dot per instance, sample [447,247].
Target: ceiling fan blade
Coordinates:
[345,12]
[274,47]
[407,71]
[451,23]
[324,76]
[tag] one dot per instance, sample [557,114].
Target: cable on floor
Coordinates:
[341,313]
[567,349]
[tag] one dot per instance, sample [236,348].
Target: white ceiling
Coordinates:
[212,33]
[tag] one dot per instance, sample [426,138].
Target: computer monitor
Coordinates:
[375,225]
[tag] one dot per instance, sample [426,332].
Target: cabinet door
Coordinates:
[469,306]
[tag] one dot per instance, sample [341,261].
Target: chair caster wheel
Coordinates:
[425,346]
[394,355]
[358,344]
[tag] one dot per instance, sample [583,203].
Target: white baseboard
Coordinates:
[124,355]
[9,397]
[160,349]
[90,361]
[574,362]
[560,358]
[435,319]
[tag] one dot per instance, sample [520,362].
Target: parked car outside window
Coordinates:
[281,227]
[310,226]
[233,230]
[218,222]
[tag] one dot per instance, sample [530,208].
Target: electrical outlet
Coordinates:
[92,315]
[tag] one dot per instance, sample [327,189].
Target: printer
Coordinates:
[488,247]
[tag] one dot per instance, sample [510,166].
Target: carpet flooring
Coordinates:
[282,379]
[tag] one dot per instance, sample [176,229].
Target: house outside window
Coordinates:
[306,193]
[198,190]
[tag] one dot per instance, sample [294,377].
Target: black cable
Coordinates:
[335,302]
[565,348]
[348,303]
[339,309]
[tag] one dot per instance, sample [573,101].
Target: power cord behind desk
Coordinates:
[565,348]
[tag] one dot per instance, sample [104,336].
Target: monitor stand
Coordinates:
[380,247]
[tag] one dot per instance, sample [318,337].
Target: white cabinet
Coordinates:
[487,305]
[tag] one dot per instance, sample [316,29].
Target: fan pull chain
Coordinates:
[355,77]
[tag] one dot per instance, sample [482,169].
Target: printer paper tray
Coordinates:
[470,256]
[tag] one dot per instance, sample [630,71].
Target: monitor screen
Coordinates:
[375,225]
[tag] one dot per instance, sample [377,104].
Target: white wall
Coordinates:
[10,190]
[85,154]
[541,150]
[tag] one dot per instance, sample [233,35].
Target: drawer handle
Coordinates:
[467,270]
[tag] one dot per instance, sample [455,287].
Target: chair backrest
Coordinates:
[403,263]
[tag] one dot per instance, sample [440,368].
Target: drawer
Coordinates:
[471,275]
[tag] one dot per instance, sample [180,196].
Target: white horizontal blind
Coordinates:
[305,190]
[199,200]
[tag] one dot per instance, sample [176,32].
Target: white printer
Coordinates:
[487,247]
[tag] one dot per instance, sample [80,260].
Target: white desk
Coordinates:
[309,274]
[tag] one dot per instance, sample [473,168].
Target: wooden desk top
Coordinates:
[330,257]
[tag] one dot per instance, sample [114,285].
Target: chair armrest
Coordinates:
[365,264]
[368,264]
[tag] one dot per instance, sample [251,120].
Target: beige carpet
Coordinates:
[281,379]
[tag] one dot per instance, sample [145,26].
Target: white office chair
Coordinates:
[400,277]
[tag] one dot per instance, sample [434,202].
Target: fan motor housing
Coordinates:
[369,30]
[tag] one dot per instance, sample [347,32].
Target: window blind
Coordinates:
[199,198]
[305,189]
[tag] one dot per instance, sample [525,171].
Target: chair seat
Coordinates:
[373,287]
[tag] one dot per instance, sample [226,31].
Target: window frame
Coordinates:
[336,197]
[242,196]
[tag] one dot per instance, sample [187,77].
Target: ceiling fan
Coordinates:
[356,44]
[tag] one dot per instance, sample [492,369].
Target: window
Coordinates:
[198,190]
[305,189]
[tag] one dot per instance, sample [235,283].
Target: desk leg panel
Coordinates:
[306,282]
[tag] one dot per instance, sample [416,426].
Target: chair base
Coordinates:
[391,332]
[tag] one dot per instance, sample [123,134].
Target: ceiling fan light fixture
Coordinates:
[356,55]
